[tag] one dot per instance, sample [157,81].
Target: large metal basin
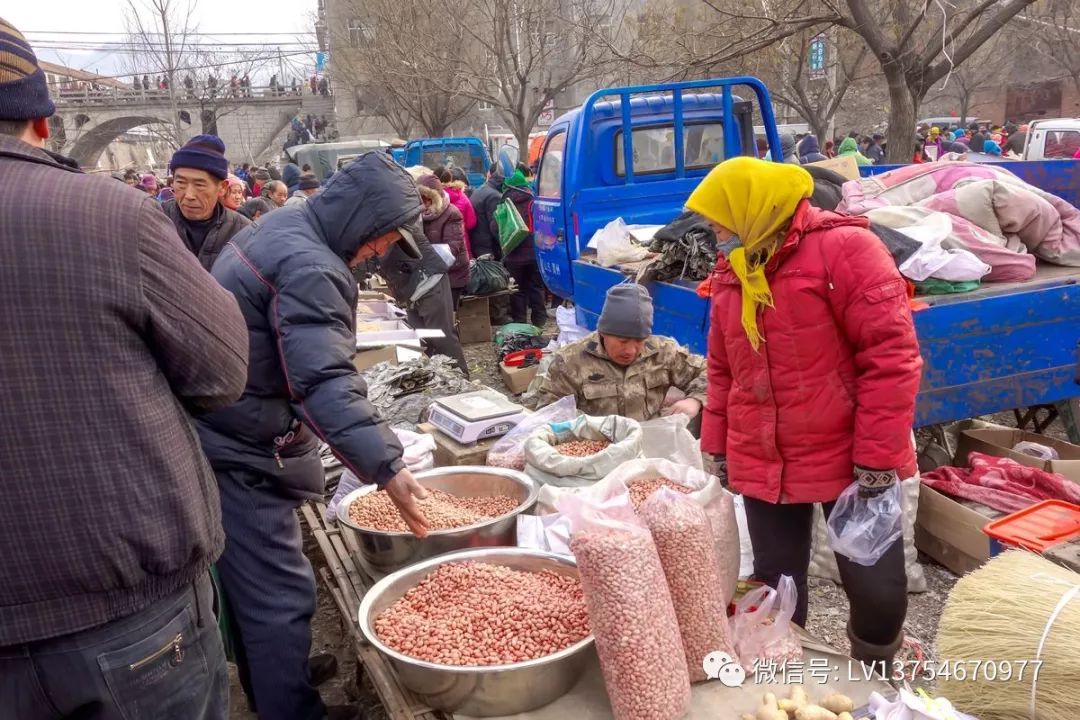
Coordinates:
[384,552]
[488,690]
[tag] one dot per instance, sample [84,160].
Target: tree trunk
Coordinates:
[820,128]
[965,105]
[902,109]
[521,133]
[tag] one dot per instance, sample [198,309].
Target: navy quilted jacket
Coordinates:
[289,273]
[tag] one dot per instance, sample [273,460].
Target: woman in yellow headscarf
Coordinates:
[813,370]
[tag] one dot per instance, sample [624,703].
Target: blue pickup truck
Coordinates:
[637,152]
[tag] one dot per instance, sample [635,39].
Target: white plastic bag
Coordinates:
[761,626]
[614,245]
[509,450]
[862,529]
[668,437]
[545,464]
[569,330]
[908,706]
[418,455]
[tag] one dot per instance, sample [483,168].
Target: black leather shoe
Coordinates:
[321,668]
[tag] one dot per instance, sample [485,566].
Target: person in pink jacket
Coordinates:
[455,183]
[813,369]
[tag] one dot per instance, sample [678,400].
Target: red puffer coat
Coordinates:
[834,383]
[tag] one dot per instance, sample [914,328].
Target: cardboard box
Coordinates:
[1000,443]
[517,379]
[474,320]
[951,531]
[365,359]
[845,166]
[450,453]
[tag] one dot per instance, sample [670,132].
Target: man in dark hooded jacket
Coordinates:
[290,273]
[483,238]
[809,151]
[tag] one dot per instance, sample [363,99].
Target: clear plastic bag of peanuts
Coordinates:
[684,539]
[631,614]
[719,505]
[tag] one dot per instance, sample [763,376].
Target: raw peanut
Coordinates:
[633,621]
[473,613]
[684,541]
[642,488]
[444,511]
[797,700]
[814,712]
[581,448]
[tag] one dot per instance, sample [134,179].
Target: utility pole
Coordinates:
[281,69]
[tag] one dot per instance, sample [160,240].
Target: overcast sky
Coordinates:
[38,18]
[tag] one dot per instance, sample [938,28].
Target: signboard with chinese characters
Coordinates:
[816,61]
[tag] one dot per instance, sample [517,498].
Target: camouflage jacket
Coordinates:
[602,387]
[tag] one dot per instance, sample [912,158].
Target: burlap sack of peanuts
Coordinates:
[823,561]
[545,464]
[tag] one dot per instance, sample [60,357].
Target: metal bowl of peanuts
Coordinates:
[480,690]
[468,507]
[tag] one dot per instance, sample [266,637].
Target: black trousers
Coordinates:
[530,294]
[436,311]
[782,535]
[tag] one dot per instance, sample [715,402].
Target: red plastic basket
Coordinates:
[1038,527]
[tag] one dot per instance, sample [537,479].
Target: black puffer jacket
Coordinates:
[289,274]
[484,238]
[225,226]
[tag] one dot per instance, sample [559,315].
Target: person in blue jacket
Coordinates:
[290,273]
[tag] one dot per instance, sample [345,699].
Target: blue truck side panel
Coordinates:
[998,348]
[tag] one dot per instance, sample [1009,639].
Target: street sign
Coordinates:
[816,60]
[547,115]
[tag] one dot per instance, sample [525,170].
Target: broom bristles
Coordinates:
[998,615]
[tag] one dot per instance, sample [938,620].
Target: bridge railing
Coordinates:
[112,95]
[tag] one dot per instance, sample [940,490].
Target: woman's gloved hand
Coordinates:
[874,482]
[716,465]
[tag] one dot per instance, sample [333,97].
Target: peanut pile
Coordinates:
[473,613]
[633,621]
[642,488]
[687,548]
[444,511]
[581,448]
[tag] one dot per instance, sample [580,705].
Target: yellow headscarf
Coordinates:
[755,199]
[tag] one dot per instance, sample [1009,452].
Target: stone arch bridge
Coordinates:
[253,123]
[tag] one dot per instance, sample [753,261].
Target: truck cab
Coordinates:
[467,153]
[636,153]
[1053,139]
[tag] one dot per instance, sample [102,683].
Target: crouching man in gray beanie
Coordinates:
[622,368]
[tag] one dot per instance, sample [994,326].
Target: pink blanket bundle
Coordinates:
[1001,483]
[996,216]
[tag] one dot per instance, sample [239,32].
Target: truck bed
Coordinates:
[1003,346]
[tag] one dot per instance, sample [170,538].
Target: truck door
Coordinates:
[549,217]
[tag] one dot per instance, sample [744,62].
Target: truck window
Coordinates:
[457,155]
[654,148]
[1062,144]
[550,182]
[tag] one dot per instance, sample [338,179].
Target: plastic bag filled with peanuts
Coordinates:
[719,505]
[630,609]
[684,540]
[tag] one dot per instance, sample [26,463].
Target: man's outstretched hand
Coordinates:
[404,491]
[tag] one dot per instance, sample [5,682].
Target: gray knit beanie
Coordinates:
[627,313]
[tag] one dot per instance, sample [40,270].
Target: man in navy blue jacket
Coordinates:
[291,274]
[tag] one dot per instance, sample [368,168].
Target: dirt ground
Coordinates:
[827,618]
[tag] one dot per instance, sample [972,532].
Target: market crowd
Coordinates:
[178,351]
[929,143]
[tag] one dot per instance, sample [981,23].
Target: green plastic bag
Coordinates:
[511,329]
[512,227]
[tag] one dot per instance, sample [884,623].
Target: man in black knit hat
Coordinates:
[114,340]
[200,181]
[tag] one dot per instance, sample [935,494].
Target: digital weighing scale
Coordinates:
[475,416]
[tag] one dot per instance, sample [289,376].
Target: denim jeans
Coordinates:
[164,662]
